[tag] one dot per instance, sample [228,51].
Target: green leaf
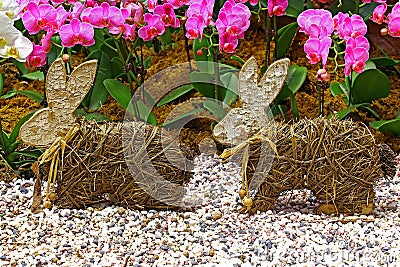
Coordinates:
[340,89]
[370,85]
[367,10]
[238,59]
[98,38]
[148,98]
[55,50]
[204,62]
[4,140]
[293,104]
[344,8]
[230,81]
[175,94]
[296,77]
[2,77]
[117,66]
[20,66]
[37,75]
[283,94]
[285,39]
[215,108]
[108,47]
[392,126]
[295,7]
[36,96]
[95,116]
[145,113]
[9,94]
[99,92]
[166,38]
[119,92]
[344,112]
[368,66]
[180,117]
[370,111]
[31,154]
[12,159]
[204,83]
[385,61]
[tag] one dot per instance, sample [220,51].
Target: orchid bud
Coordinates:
[384,31]
[65,58]
[199,52]
[323,75]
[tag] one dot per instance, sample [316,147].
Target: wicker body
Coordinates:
[94,167]
[337,160]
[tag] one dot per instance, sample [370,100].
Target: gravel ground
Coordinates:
[213,235]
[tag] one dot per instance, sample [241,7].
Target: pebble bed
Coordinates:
[212,235]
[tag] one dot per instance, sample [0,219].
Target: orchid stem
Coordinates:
[268,45]
[275,38]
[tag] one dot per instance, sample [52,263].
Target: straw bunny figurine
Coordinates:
[87,163]
[337,160]
[63,98]
[241,123]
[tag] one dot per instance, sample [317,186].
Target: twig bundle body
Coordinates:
[96,167]
[337,160]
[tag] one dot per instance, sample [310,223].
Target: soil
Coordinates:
[11,110]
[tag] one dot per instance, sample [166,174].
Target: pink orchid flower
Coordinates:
[233,19]
[359,41]
[57,2]
[252,2]
[237,10]
[106,16]
[194,28]
[91,3]
[151,5]
[85,14]
[395,12]
[230,24]
[202,9]
[135,12]
[167,14]
[355,59]
[37,58]
[178,3]
[62,16]
[129,32]
[394,27]
[228,43]
[76,11]
[42,17]
[317,50]
[46,42]
[348,27]
[155,26]
[277,7]
[378,16]
[317,23]
[77,32]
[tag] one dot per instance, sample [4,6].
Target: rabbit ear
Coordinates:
[272,81]
[79,83]
[44,127]
[248,77]
[258,96]
[56,81]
